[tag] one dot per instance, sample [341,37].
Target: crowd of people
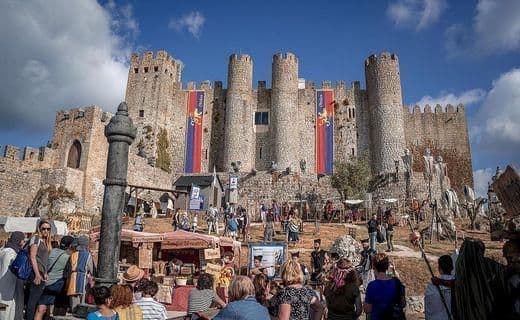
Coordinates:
[60,273]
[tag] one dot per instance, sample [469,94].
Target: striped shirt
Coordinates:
[151,309]
[200,300]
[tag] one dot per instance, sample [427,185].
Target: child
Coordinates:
[233,227]
[102,301]
[152,310]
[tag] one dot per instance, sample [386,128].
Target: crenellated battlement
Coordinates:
[262,85]
[384,56]
[243,58]
[162,63]
[202,85]
[77,114]
[438,109]
[340,84]
[28,157]
[326,84]
[147,59]
[289,56]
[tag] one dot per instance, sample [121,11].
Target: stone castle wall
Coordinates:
[445,132]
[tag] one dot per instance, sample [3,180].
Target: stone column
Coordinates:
[120,133]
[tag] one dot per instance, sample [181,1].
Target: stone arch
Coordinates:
[74,156]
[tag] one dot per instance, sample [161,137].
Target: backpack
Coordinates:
[21,266]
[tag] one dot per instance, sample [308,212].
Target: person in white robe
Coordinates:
[11,288]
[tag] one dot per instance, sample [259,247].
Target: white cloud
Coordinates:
[465,98]
[481,178]
[495,29]
[60,54]
[497,24]
[497,124]
[193,22]
[415,13]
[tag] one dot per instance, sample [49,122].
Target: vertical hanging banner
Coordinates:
[194,134]
[324,131]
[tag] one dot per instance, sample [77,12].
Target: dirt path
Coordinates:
[406,252]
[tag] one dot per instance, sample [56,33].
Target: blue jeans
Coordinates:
[373,240]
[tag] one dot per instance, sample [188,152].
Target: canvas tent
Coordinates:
[29,225]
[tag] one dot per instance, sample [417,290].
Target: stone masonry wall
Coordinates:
[386,112]
[306,116]
[239,141]
[284,99]
[150,93]
[263,148]
[345,129]
[265,187]
[18,186]
[218,122]
[445,132]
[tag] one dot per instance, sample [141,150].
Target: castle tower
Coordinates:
[149,96]
[284,106]
[387,139]
[239,136]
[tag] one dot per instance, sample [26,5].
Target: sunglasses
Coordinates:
[45,229]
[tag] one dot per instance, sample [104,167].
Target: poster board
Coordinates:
[145,256]
[273,256]
[210,254]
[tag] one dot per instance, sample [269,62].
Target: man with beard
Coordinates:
[317,259]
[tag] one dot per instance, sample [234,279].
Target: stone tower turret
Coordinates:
[239,136]
[149,96]
[385,102]
[284,106]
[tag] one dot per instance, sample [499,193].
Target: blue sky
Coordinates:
[63,54]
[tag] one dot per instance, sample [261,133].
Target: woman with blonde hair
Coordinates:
[342,292]
[295,301]
[39,248]
[121,302]
[243,305]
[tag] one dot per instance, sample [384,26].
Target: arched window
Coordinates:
[74,155]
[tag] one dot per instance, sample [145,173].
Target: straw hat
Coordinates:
[133,274]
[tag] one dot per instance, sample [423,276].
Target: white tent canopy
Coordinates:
[29,224]
[391,200]
[353,201]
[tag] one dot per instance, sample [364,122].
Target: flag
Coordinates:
[324,131]
[194,132]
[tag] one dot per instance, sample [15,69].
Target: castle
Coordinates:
[294,127]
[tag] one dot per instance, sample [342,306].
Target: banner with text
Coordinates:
[194,134]
[324,131]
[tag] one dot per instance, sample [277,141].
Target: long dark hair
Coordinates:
[261,283]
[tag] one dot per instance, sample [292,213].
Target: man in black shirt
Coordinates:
[372,231]
[317,259]
[390,223]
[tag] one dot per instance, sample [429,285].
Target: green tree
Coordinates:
[163,157]
[351,178]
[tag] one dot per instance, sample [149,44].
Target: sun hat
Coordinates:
[133,273]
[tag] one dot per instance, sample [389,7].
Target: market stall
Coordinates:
[139,248]
[193,252]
